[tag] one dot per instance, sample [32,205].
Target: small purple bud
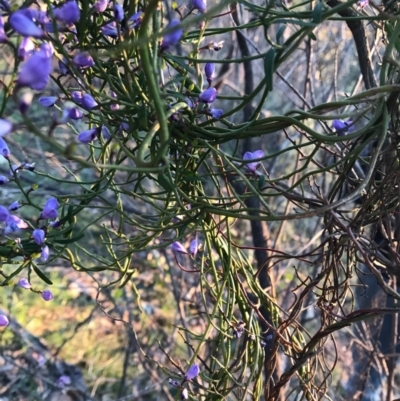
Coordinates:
[38,236]
[5,127]
[83,60]
[341,127]
[35,72]
[55,224]
[4,321]
[25,49]
[4,213]
[24,25]
[209,70]
[14,206]
[192,372]
[68,13]
[24,283]
[172,38]
[3,36]
[174,383]
[74,113]
[118,12]
[77,96]
[63,381]
[200,5]
[178,247]
[100,6]
[105,132]
[263,343]
[258,154]
[50,209]
[215,113]
[47,295]
[48,101]
[62,65]
[4,150]
[3,180]
[361,4]
[208,96]
[88,136]
[193,247]
[184,394]
[88,102]
[110,30]
[45,253]
[135,20]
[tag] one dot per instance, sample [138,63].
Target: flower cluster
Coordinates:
[192,373]
[47,295]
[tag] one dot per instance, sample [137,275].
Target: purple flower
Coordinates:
[48,101]
[193,247]
[77,96]
[361,4]
[38,236]
[47,295]
[5,127]
[215,113]
[200,5]
[178,247]
[110,30]
[24,283]
[88,102]
[3,36]
[342,127]
[50,209]
[135,20]
[63,381]
[192,372]
[118,12]
[68,13]
[45,253]
[5,5]
[55,224]
[4,150]
[83,60]
[208,96]
[74,113]
[209,69]
[4,213]
[88,136]
[172,38]
[14,206]
[100,6]
[3,180]
[35,72]
[4,321]
[184,394]
[24,25]
[258,154]
[25,49]
[13,224]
